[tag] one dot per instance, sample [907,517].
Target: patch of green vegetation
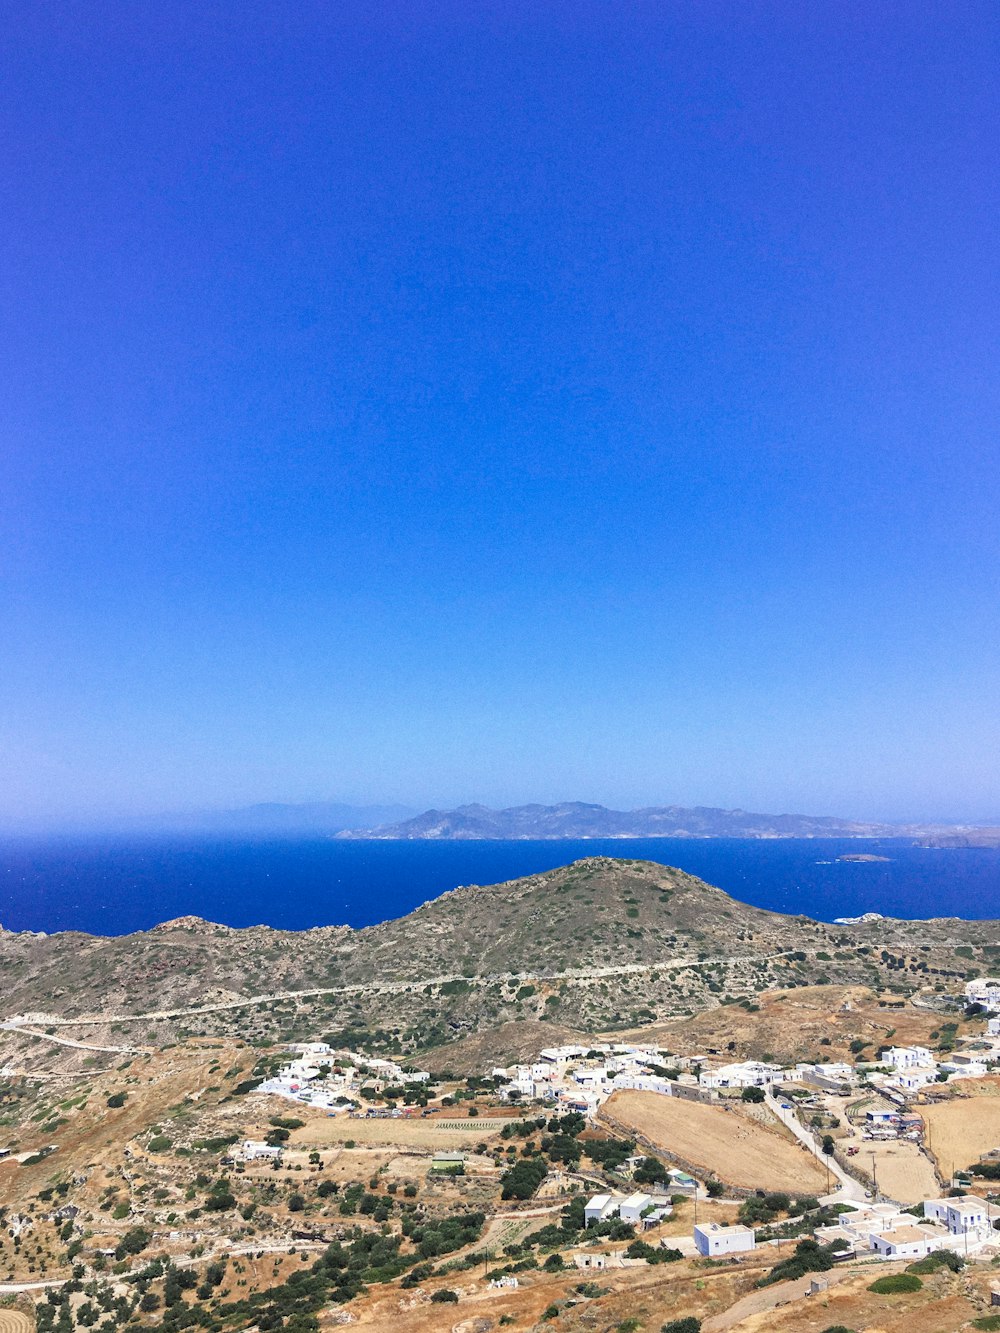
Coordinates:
[456,987]
[935,1260]
[895,1284]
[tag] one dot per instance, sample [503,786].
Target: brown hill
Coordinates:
[598,944]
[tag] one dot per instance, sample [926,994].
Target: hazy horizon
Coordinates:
[238,820]
[500,404]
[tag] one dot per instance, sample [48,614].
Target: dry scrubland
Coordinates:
[741,1150]
[794,1024]
[945,1304]
[653,1295]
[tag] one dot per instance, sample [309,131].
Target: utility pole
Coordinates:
[874,1181]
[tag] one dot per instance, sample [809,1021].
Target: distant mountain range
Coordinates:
[576,819]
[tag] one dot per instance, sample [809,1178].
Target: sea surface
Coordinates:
[114,886]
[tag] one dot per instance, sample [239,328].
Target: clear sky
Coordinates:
[441,401]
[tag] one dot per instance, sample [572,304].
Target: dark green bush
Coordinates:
[935,1260]
[895,1284]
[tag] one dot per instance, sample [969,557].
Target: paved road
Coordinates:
[850,1189]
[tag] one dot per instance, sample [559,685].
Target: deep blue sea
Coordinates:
[113,886]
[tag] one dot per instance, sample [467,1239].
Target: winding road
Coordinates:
[24,1022]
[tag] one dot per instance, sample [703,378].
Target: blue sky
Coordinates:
[506,402]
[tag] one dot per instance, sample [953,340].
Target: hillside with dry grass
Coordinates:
[601,944]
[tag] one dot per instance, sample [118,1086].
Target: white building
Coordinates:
[907,1057]
[912,1080]
[252,1150]
[834,1072]
[964,1066]
[905,1243]
[710,1239]
[632,1208]
[748,1074]
[960,1216]
[599,1208]
[984,990]
[561,1055]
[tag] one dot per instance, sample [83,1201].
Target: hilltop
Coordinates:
[599,944]
[577,819]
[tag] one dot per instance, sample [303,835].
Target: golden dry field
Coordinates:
[740,1149]
[961,1129]
[436,1134]
[904,1173]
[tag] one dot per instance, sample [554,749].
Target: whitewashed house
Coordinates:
[252,1150]
[905,1243]
[984,990]
[747,1074]
[711,1239]
[907,1057]
[912,1080]
[632,1208]
[961,1216]
[964,1066]
[599,1208]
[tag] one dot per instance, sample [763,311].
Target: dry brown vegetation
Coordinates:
[464,960]
[792,1025]
[945,1303]
[741,1149]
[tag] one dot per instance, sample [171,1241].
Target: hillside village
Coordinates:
[216,1179]
[803,1097]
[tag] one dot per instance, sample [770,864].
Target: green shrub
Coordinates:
[523,1178]
[445,1297]
[116,1099]
[895,1284]
[809,1257]
[935,1260]
[160,1143]
[687,1325]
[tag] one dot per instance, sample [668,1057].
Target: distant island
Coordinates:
[863,857]
[578,819]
